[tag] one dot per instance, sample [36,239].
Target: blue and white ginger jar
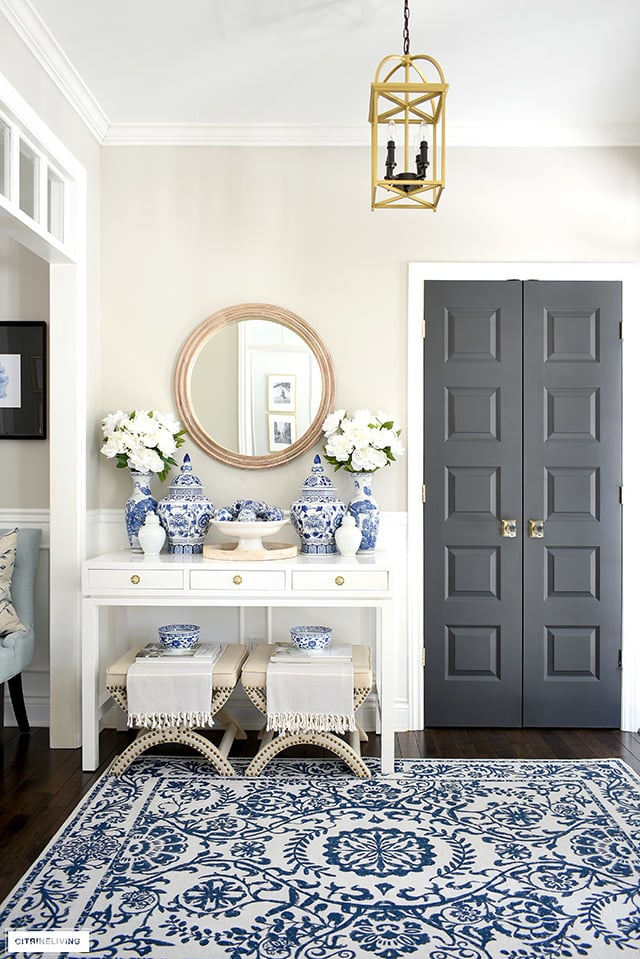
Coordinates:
[185,512]
[317,513]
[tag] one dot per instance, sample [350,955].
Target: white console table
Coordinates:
[126,579]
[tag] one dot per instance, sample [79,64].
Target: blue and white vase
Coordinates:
[317,513]
[364,509]
[137,506]
[185,512]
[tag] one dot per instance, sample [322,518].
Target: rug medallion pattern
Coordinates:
[446,860]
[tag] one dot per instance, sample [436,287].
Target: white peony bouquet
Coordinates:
[360,442]
[143,440]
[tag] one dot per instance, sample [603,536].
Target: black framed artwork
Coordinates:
[23,380]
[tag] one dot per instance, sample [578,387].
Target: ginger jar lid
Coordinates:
[318,481]
[186,476]
[186,483]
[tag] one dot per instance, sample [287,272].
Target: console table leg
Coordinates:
[386,688]
[90,677]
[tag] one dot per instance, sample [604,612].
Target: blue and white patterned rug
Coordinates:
[449,859]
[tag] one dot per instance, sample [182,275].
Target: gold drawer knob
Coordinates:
[135,579]
[339,580]
[237,580]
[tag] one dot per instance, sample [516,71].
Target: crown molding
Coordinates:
[531,135]
[41,43]
[46,50]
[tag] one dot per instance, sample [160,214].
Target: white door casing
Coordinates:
[629,275]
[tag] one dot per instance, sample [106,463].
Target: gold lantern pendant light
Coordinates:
[407,114]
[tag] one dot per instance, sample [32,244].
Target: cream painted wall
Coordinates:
[189,230]
[24,283]
[24,295]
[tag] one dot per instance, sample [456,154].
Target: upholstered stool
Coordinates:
[254,683]
[224,678]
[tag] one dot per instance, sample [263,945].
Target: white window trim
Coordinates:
[34,231]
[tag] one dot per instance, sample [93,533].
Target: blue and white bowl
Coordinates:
[311,637]
[178,637]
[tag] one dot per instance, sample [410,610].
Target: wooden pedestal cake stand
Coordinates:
[249,545]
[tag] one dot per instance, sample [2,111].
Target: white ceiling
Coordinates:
[520,71]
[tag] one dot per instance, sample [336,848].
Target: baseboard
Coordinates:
[37,711]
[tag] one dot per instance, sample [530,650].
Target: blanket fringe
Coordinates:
[191,720]
[309,722]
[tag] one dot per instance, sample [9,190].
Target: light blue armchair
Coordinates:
[16,649]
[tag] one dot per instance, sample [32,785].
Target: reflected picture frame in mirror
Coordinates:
[188,389]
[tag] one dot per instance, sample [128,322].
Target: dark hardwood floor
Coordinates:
[40,787]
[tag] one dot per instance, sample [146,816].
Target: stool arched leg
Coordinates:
[157,737]
[327,740]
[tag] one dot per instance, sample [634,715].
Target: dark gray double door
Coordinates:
[522,513]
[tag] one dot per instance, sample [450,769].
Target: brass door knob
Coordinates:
[509,528]
[339,580]
[536,528]
[135,579]
[237,580]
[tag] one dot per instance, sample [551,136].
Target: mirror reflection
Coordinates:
[256,387]
[253,385]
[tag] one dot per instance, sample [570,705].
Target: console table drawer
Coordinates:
[242,580]
[132,579]
[362,580]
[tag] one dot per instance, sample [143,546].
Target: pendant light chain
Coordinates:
[405,32]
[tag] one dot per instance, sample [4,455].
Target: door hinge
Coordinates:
[619,659]
[424,657]
[424,329]
[621,330]
[424,493]
[620,495]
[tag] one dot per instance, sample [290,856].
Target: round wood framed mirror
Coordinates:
[253,385]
